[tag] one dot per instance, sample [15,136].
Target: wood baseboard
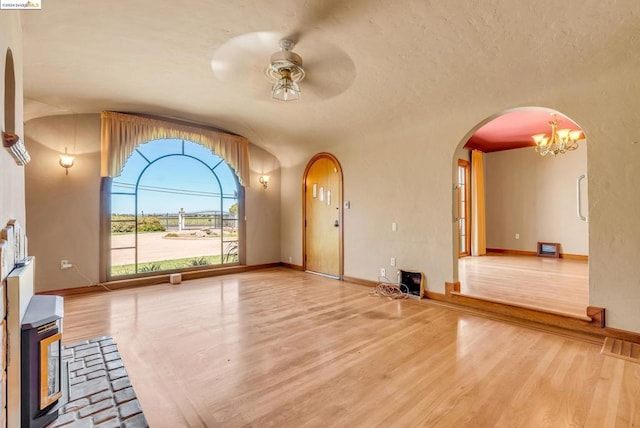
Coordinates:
[360,281]
[567,256]
[292,266]
[629,336]
[205,273]
[156,280]
[580,257]
[511,252]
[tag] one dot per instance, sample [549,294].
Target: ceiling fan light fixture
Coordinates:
[285,89]
[286,71]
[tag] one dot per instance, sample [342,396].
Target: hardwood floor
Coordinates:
[557,285]
[284,348]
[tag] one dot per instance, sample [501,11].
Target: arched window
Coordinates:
[174,207]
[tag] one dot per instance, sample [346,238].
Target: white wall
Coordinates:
[262,209]
[64,210]
[535,197]
[12,204]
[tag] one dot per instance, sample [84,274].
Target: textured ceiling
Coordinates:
[373,66]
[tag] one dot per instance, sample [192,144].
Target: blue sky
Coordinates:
[173,182]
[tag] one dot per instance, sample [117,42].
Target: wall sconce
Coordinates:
[66,161]
[264,180]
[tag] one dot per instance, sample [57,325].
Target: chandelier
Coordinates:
[560,141]
[286,71]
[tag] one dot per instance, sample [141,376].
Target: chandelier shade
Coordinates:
[559,141]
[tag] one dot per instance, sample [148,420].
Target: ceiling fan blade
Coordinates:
[316,13]
[330,71]
[241,61]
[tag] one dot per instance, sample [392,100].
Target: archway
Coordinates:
[529,200]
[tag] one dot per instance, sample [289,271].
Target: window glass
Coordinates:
[173,208]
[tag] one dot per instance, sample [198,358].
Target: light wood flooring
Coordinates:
[284,348]
[556,285]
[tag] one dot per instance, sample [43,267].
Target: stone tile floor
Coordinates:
[100,393]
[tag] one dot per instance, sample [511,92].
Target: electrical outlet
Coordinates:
[394,227]
[383,272]
[393,261]
[64,264]
[290,259]
[517,236]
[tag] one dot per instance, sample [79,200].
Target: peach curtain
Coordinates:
[478,223]
[121,133]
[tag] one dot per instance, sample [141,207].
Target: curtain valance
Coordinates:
[121,133]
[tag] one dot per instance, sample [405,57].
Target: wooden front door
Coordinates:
[323,216]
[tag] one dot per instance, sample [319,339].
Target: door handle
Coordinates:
[579,198]
[455,206]
[336,224]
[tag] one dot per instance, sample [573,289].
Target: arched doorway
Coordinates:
[322,216]
[528,200]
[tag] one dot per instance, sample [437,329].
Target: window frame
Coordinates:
[466,212]
[105,220]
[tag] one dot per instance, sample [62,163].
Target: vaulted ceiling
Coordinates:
[373,66]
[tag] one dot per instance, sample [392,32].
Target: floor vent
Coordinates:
[621,349]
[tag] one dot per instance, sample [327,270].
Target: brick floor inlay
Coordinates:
[100,393]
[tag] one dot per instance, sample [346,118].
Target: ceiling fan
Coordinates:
[247,63]
[244,61]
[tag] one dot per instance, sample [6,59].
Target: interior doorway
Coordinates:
[322,216]
[529,199]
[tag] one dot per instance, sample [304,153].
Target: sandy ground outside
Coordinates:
[152,247]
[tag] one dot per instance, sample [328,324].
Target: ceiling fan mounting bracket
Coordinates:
[286,44]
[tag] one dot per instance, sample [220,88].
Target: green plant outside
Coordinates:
[126,224]
[199,261]
[165,265]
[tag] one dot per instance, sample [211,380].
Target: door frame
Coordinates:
[323,155]
[462,163]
